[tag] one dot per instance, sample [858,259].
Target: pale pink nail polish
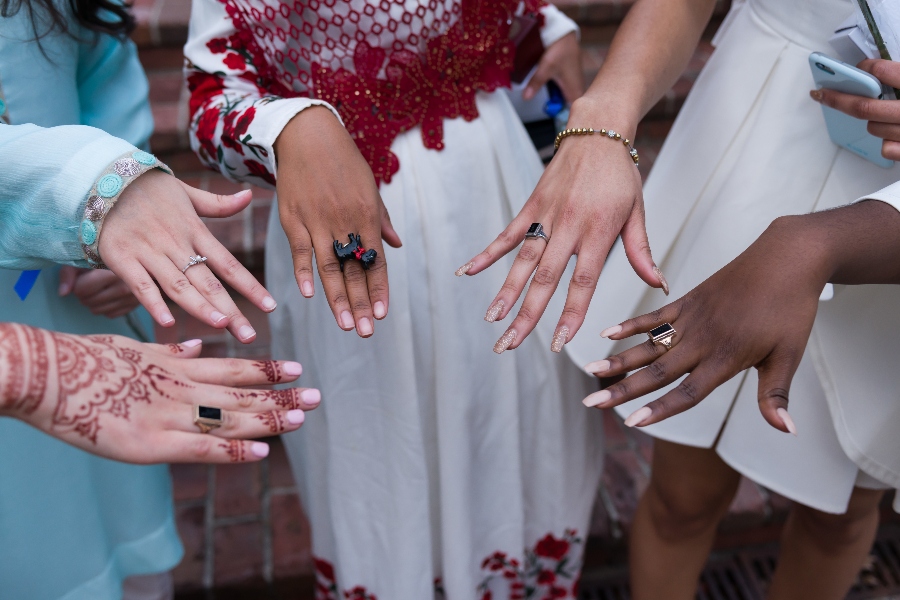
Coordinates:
[295,416]
[379,310]
[638,416]
[597,398]
[598,366]
[662,280]
[364,327]
[191,343]
[166,318]
[611,331]
[217,317]
[294,369]
[260,449]
[494,311]
[246,332]
[269,303]
[464,269]
[306,288]
[347,320]
[243,194]
[311,396]
[559,339]
[505,341]
[787,420]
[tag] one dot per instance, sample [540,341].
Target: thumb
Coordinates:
[388,233]
[637,249]
[538,80]
[67,277]
[775,375]
[208,204]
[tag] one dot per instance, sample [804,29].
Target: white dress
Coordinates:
[434,468]
[749,146]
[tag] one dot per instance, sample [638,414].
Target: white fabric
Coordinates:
[889,195]
[749,146]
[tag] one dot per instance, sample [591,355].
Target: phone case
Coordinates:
[844,130]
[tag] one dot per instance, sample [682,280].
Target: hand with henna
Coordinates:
[326,191]
[134,402]
[102,292]
[757,311]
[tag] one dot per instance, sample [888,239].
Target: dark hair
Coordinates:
[100,16]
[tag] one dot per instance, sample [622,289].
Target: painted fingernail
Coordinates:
[494,311]
[611,331]
[295,416]
[379,310]
[306,288]
[787,420]
[662,280]
[598,366]
[64,288]
[217,317]
[504,342]
[260,449]
[638,416]
[559,339]
[597,398]
[294,369]
[166,318]
[269,303]
[464,269]
[347,320]
[364,327]
[246,332]
[816,95]
[311,396]
[191,343]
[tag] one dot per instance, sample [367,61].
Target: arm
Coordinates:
[757,311]
[133,402]
[648,53]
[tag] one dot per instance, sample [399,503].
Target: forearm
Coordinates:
[24,368]
[649,52]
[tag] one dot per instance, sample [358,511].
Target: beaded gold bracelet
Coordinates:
[590,131]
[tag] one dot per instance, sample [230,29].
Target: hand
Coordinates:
[883,115]
[151,233]
[588,195]
[102,292]
[561,62]
[326,191]
[133,402]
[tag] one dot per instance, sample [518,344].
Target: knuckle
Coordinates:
[331,267]
[213,286]
[526,314]
[863,107]
[234,367]
[245,401]
[689,391]
[543,276]
[231,266]
[507,237]
[584,281]
[510,288]
[202,447]
[572,312]
[180,285]
[527,253]
[657,371]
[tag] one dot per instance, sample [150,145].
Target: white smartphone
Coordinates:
[844,130]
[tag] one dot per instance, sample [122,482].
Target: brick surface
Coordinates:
[291,537]
[191,527]
[189,482]
[239,553]
[238,490]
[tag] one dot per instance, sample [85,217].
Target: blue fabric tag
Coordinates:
[26,282]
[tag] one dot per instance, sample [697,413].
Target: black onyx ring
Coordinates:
[207,418]
[662,335]
[537,231]
[354,249]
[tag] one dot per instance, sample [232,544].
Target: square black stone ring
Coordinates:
[207,418]
[537,231]
[662,335]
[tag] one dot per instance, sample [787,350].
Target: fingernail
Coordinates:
[347,320]
[166,318]
[528,94]
[269,303]
[364,327]
[662,280]
[464,269]
[306,288]
[638,416]
[294,369]
[379,310]
[816,95]
[311,396]
[787,420]
[246,332]
[611,331]
[494,311]
[191,343]
[559,339]
[64,288]
[259,449]
[295,416]
[243,194]
[596,398]
[504,342]
[598,366]
[217,317]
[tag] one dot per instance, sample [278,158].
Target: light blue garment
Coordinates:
[72,525]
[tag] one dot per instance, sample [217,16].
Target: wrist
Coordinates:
[308,124]
[603,112]
[24,369]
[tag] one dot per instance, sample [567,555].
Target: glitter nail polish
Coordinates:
[494,311]
[559,339]
[504,342]
[464,269]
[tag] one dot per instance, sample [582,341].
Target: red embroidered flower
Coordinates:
[235,61]
[233,131]
[546,576]
[204,88]
[550,547]
[217,45]
[258,170]
[324,568]
[206,131]
[487,595]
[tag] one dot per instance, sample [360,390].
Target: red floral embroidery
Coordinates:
[206,130]
[550,547]
[234,61]
[259,170]
[551,570]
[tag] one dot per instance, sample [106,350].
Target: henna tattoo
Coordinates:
[274,420]
[270,368]
[235,450]
[287,399]
[174,348]
[23,379]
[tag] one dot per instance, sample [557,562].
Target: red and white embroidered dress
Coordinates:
[433,468]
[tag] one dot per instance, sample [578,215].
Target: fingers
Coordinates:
[695,387]
[775,375]
[187,349]
[581,290]
[523,266]
[225,265]
[508,239]
[242,425]
[540,78]
[203,280]
[302,254]
[890,149]
[627,361]
[356,284]
[207,204]
[656,375]
[141,284]
[388,233]
[181,447]
[67,277]
[644,323]
[637,249]
[867,109]
[332,277]
[237,372]
[886,71]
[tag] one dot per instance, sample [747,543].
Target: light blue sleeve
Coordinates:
[46,176]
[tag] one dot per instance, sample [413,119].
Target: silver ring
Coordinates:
[195,260]
[537,231]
